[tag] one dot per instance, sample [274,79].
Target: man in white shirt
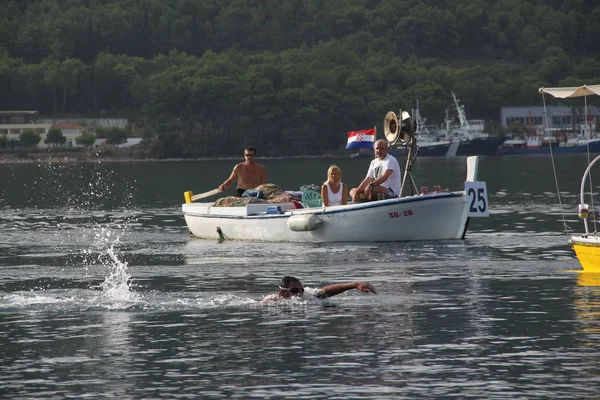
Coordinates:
[383,178]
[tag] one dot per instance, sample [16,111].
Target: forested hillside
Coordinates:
[208,77]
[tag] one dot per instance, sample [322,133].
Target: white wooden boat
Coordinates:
[434,216]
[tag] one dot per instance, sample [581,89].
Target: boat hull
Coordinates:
[477,146]
[487,146]
[587,250]
[594,147]
[437,149]
[423,217]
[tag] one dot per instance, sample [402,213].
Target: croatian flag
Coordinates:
[361,139]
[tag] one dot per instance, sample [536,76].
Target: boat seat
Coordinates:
[310,198]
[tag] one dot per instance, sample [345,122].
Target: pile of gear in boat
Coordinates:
[265,193]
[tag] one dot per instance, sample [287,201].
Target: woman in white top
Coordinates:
[333,191]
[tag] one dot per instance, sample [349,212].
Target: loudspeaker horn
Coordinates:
[398,130]
[407,130]
[390,128]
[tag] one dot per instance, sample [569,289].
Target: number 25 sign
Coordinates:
[477,199]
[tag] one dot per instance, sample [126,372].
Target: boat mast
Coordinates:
[421,129]
[462,117]
[447,122]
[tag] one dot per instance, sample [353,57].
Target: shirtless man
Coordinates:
[249,174]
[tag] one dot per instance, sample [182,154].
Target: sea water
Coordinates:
[104,294]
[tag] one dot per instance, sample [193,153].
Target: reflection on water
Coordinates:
[587,279]
[587,306]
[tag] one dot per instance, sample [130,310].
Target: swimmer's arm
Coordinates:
[338,288]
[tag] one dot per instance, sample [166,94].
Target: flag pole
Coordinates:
[374,140]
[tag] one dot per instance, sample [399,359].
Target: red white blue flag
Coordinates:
[363,139]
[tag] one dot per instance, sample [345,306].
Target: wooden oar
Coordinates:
[190,197]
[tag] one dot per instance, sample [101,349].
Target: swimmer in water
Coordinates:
[290,287]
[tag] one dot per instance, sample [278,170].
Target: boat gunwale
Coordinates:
[585,238]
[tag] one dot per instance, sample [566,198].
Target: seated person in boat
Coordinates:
[249,174]
[290,287]
[383,177]
[333,191]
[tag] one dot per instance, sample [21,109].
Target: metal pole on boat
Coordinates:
[583,211]
[410,158]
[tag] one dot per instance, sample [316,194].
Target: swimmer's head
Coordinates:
[290,286]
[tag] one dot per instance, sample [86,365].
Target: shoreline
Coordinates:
[69,159]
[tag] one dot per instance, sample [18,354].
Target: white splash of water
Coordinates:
[116,286]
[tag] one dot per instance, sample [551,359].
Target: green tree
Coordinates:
[553,65]
[3,141]
[29,137]
[69,77]
[62,79]
[517,129]
[117,82]
[31,78]
[51,69]
[86,139]
[202,74]
[116,136]
[55,137]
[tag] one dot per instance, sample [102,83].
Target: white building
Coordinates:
[12,123]
[559,117]
[69,131]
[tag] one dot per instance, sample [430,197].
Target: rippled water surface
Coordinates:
[103,293]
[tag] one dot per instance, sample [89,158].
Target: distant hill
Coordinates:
[204,78]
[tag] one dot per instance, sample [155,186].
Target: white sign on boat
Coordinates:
[477,199]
